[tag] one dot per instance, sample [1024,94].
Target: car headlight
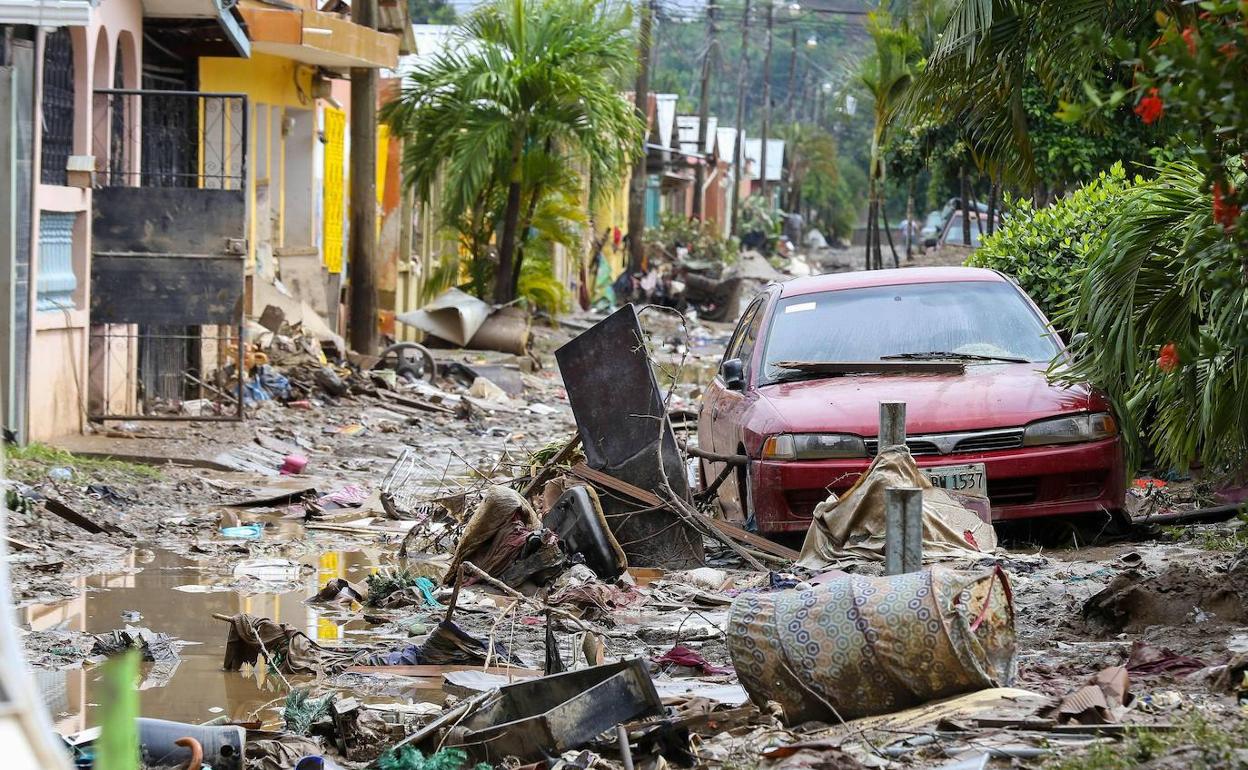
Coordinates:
[813,446]
[1072,429]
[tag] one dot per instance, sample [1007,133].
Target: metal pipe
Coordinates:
[892,424]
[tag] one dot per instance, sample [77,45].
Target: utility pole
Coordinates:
[762,153]
[637,186]
[792,73]
[362,322]
[739,144]
[704,108]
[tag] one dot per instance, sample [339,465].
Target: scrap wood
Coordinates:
[769,547]
[74,517]
[548,469]
[427,406]
[452,717]
[275,495]
[726,533]
[486,578]
[19,544]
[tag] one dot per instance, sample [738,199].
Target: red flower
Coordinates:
[1189,37]
[1228,50]
[1168,359]
[1150,108]
[1225,212]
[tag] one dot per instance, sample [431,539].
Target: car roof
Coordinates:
[866,278]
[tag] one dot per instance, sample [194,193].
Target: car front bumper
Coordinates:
[1022,483]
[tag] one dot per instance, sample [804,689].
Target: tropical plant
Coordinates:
[703,239]
[814,171]
[1047,249]
[1188,78]
[1164,302]
[524,99]
[990,51]
[886,75]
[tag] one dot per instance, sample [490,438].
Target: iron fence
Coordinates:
[186,139]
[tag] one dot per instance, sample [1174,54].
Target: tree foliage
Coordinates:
[431,12]
[524,104]
[1047,249]
[1166,274]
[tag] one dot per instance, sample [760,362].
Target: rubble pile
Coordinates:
[441,559]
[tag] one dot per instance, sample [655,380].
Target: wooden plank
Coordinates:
[583,471]
[548,469]
[586,473]
[55,506]
[752,539]
[423,405]
[19,545]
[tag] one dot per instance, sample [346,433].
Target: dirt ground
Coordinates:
[1169,604]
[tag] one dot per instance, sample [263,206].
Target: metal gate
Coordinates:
[169,248]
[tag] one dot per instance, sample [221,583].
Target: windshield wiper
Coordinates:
[937,354]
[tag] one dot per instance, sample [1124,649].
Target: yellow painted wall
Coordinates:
[271,81]
[335,194]
[612,212]
[264,78]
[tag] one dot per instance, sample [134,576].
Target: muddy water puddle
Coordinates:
[157,586]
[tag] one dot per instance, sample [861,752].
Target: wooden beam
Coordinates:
[584,472]
[549,468]
[55,506]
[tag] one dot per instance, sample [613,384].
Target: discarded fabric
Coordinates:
[681,655]
[851,528]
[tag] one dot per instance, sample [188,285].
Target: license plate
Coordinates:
[969,479]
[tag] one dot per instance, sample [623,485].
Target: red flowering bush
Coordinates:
[1193,74]
[1168,359]
[1150,108]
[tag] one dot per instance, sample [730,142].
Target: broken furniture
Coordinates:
[542,718]
[577,518]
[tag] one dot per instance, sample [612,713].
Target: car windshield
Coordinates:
[976,319]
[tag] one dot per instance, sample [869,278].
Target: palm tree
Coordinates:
[886,75]
[524,78]
[989,50]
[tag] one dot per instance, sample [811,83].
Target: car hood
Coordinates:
[985,396]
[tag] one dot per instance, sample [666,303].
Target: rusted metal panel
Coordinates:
[625,432]
[168,221]
[166,290]
[545,717]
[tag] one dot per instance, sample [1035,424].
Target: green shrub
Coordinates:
[702,238]
[1046,250]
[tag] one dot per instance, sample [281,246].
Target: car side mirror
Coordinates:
[734,374]
[1078,339]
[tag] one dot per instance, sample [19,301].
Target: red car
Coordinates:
[993,425]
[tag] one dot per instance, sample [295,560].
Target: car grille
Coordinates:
[958,443]
[991,441]
[1015,491]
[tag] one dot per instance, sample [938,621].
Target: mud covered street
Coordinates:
[202,535]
